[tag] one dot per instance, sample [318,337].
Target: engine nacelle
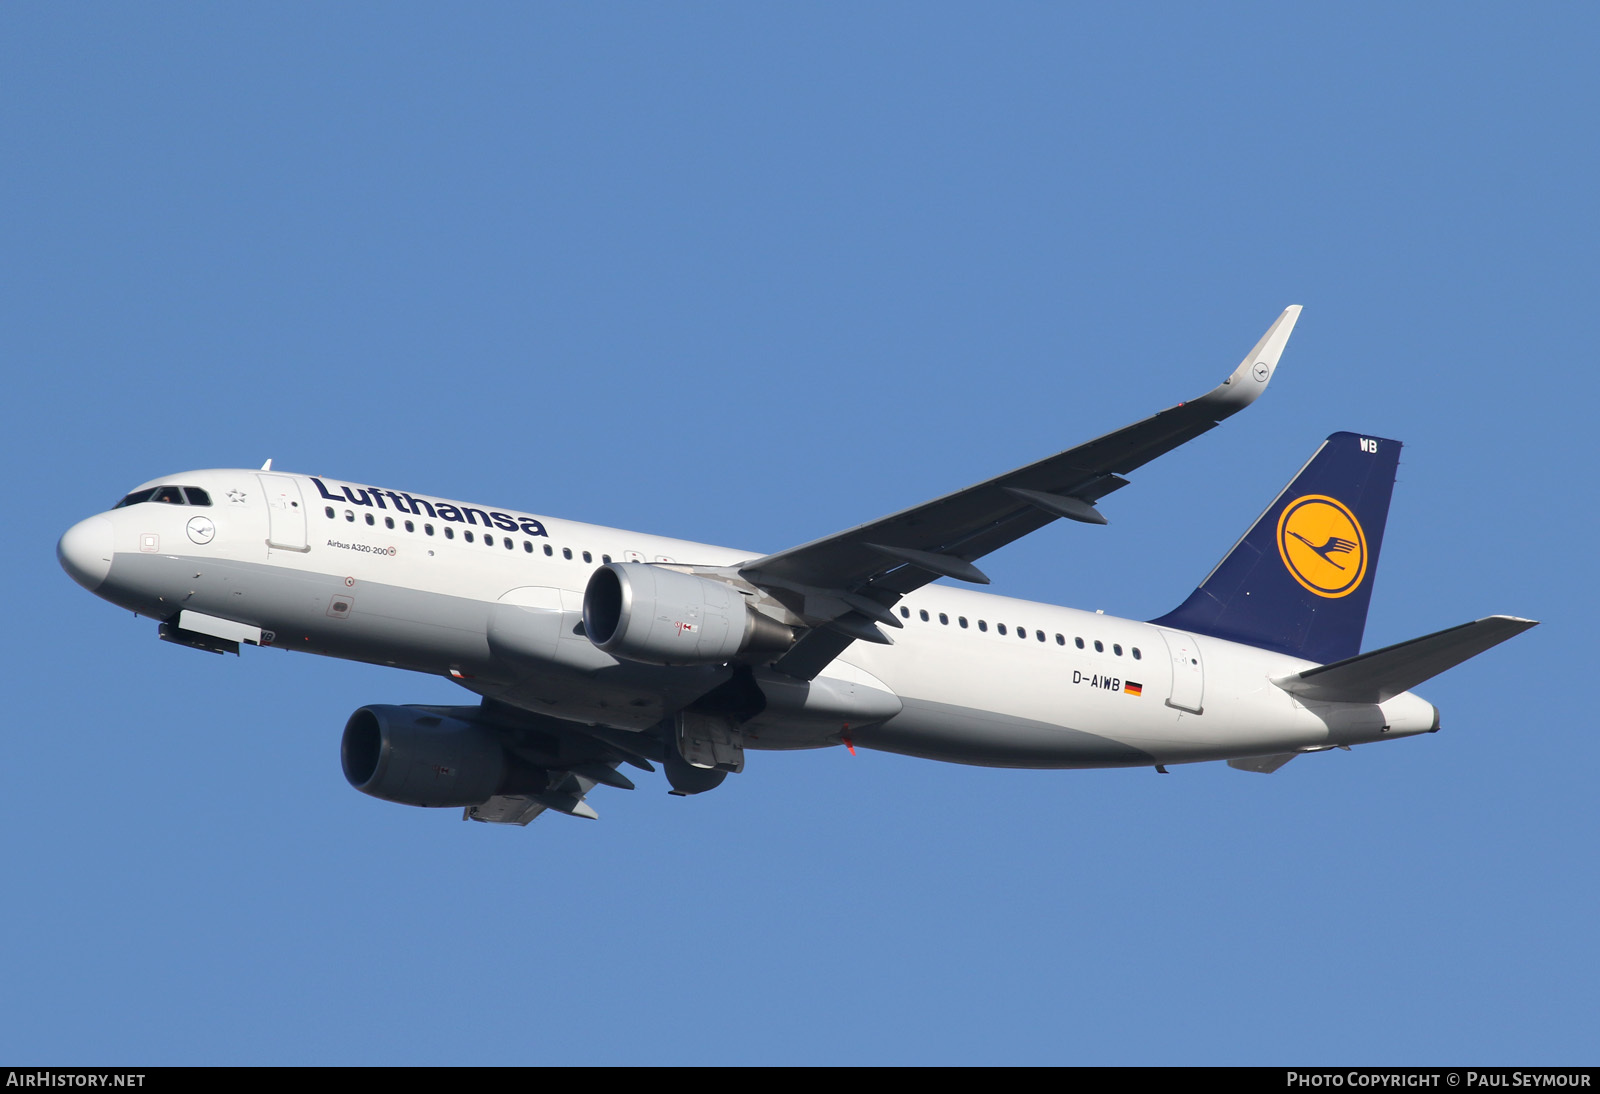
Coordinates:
[646,613]
[416,757]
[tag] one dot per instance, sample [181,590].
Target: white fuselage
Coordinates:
[492,598]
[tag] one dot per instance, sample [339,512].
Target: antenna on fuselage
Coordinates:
[267,466]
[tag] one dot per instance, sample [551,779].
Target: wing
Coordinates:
[845,584]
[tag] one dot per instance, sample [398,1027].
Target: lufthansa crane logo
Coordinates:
[1321,542]
[201,530]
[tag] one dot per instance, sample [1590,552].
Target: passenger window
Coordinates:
[467,535]
[527,545]
[549,551]
[961,619]
[410,527]
[1117,650]
[428,528]
[1022,633]
[1136,653]
[945,619]
[197,496]
[606,559]
[923,614]
[509,545]
[328,509]
[566,553]
[983,624]
[388,522]
[371,520]
[1099,647]
[488,541]
[1061,640]
[1039,635]
[350,515]
[1078,642]
[905,613]
[587,557]
[450,533]
[1001,627]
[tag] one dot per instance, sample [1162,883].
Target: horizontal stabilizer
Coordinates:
[1382,674]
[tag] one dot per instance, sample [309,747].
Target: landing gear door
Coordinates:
[1188,673]
[286,514]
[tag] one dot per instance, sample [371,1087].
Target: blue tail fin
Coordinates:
[1300,580]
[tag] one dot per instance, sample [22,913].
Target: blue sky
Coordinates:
[751,274]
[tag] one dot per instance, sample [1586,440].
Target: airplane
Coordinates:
[593,648]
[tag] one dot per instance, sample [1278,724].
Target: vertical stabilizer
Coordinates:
[1300,580]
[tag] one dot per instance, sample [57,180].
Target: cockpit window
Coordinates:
[172,495]
[135,498]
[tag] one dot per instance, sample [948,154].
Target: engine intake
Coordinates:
[646,613]
[416,757]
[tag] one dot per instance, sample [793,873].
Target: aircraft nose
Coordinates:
[85,552]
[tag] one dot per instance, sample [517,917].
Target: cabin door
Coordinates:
[286,513]
[1188,672]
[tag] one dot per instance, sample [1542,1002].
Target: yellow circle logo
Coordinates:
[1322,544]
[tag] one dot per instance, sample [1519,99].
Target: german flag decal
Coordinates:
[1130,688]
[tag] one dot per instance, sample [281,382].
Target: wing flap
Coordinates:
[504,809]
[813,653]
[1264,765]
